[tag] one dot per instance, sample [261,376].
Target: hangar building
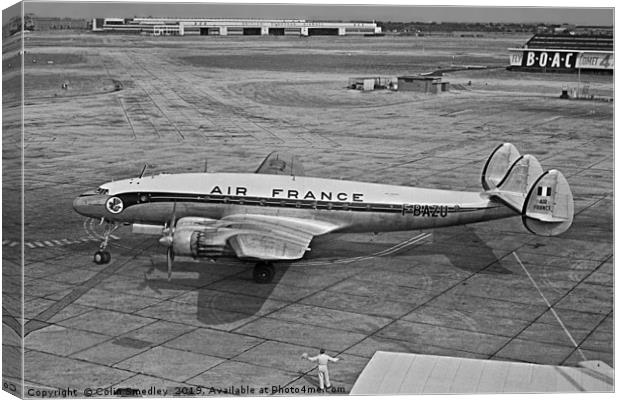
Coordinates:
[233,26]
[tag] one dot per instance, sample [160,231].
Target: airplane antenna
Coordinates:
[293,167]
[205,165]
[143,170]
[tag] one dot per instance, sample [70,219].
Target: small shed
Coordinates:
[423,83]
[372,83]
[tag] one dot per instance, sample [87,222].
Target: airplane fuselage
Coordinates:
[353,206]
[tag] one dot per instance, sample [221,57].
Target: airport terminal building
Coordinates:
[233,26]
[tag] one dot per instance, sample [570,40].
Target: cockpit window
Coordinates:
[102,191]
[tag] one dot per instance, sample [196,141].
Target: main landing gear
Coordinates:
[102,256]
[264,272]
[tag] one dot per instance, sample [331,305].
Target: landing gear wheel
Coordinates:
[102,257]
[264,272]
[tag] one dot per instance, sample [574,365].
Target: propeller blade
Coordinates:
[170,259]
[174,215]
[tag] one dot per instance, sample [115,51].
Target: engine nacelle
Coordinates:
[147,229]
[202,243]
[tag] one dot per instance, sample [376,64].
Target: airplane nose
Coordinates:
[90,205]
[78,204]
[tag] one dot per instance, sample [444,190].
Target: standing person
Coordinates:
[322,359]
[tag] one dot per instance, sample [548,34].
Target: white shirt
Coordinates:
[323,359]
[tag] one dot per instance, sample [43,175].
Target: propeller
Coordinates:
[168,239]
[170,259]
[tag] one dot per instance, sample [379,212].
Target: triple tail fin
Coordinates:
[543,199]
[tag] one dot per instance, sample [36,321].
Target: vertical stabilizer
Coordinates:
[521,176]
[497,165]
[549,208]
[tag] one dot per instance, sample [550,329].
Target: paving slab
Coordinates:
[475,320]
[176,365]
[381,290]
[286,357]
[69,373]
[274,291]
[214,343]
[467,302]
[521,289]
[553,334]
[548,270]
[599,340]
[33,306]
[367,348]
[572,319]
[108,353]
[232,375]
[159,332]
[191,314]
[569,248]
[113,301]
[427,283]
[368,305]
[302,334]
[457,339]
[74,276]
[62,341]
[157,289]
[152,386]
[111,323]
[528,351]
[71,311]
[588,298]
[330,318]
[232,302]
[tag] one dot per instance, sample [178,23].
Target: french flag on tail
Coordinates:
[544,191]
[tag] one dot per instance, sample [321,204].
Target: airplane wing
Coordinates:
[271,237]
[261,237]
[281,164]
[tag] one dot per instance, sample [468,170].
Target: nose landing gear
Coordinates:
[102,256]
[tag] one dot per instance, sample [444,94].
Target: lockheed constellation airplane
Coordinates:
[275,213]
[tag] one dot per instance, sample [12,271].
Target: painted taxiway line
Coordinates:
[42,244]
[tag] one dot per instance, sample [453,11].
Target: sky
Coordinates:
[325,11]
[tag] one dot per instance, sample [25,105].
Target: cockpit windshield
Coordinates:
[102,191]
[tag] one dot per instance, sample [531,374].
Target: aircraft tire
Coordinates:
[263,272]
[102,257]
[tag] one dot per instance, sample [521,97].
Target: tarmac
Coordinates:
[462,291]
